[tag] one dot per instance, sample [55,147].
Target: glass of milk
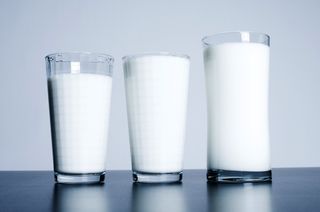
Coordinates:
[79,86]
[237,75]
[156,92]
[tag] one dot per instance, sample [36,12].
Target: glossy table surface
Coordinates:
[295,189]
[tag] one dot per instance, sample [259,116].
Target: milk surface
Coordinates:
[237,96]
[79,110]
[156,92]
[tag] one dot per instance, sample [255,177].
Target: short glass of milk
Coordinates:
[79,86]
[237,75]
[156,93]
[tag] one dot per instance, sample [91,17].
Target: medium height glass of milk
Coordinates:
[79,86]
[156,92]
[237,73]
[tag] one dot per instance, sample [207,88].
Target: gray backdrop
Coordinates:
[32,29]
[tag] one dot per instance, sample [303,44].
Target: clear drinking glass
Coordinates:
[79,86]
[156,92]
[237,75]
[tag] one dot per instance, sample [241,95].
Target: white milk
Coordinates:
[80,105]
[237,95]
[156,91]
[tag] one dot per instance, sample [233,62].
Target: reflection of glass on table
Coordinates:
[80,198]
[157,198]
[246,197]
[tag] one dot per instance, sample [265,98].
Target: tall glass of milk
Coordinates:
[79,86]
[237,72]
[156,93]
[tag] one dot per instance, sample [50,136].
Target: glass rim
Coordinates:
[107,57]
[205,39]
[168,54]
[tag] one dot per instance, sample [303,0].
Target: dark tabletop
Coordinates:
[291,190]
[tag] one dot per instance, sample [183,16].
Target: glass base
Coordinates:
[227,176]
[79,178]
[144,177]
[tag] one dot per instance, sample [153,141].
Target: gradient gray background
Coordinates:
[32,29]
